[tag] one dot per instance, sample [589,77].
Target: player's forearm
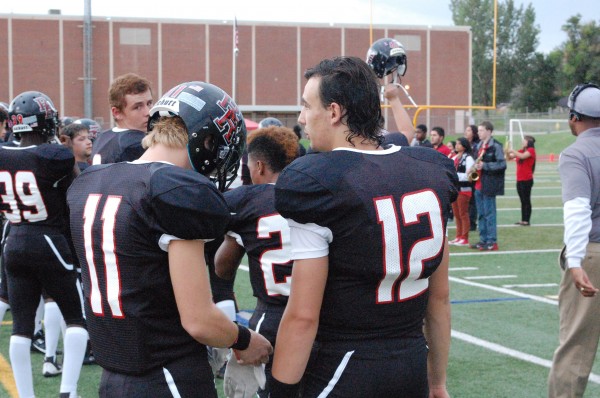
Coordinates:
[437,333]
[212,328]
[292,351]
[402,119]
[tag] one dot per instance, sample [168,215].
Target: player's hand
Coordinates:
[438,392]
[392,91]
[582,282]
[217,358]
[242,381]
[257,352]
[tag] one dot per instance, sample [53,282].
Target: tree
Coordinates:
[581,53]
[517,38]
[538,92]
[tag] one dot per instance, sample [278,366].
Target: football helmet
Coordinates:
[270,121]
[215,125]
[32,111]
[93,127]
[4,105]
[386,56]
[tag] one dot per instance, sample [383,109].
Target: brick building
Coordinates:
[46,53]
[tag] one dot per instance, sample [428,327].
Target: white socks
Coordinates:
[3,308]
[20,359]
[39,315]
[52,326]
[75,345]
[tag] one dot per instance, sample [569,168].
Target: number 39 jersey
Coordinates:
[122,216]
[33,184]
[387,213]
[265,236]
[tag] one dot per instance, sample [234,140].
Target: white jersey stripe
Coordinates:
[337,375]
[57,254]
[171,383]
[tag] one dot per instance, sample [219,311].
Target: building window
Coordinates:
[135,36]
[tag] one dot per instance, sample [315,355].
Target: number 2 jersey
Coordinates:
[383,215]
[122,217]
[33,184]
[265,236]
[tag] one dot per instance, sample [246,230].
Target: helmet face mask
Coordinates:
[215,126]
[33,111]
[386,56]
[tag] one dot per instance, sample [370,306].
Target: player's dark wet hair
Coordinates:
[352,84]
[276,146]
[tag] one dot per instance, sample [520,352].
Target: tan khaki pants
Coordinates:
[579,332]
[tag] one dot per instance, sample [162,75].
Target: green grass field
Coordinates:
[504,308]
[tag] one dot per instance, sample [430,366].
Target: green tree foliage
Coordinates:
[581,53]
[517,38]
[538,92]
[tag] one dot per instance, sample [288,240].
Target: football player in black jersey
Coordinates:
[34,178]
[139,230]
[368,232]
[130,98]
[258,230]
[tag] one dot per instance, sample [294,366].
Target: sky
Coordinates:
[550,14]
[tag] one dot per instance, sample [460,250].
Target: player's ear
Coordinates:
[335,111]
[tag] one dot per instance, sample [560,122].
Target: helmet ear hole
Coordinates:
[210,142]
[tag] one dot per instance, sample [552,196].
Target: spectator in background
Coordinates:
[452,146]
[3,122]
[472,135]
[421,137]
[491,166]
[298,132]
[437,140]
[464,163]
[130,98]
[578,301]
[526,159]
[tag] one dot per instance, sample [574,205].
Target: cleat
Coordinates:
[51,368]
[462,242]
[38,343]
[478,246]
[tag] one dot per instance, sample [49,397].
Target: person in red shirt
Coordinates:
[437,140]
[525,158]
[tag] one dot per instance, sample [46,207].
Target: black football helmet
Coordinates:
[93,127]
[32,111]
[215,125]
[386,56]
[270,121]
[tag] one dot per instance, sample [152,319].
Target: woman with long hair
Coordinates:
[526,159]
[463,163]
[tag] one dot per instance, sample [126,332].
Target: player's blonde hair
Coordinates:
[168,131]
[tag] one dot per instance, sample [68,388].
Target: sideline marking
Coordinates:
[490,277]
[7,379]
[483,253]
[503,290]
[527,285]
[492,300]
[510,352]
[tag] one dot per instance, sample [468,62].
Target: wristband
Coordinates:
[278,389]
[243,339]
